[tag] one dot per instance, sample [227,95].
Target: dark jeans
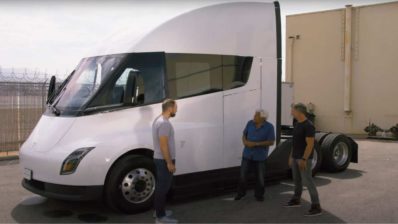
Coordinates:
[259,167]
[300,176]
[164,180]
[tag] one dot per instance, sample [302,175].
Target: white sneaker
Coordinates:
[168,213]
[166,219]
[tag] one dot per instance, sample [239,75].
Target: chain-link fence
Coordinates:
[23,96]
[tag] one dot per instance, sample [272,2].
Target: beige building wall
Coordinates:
[315,63]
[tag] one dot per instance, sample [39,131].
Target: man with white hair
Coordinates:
[258,135]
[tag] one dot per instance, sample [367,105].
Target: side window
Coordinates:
[190,74]
[197,74]
[236,71]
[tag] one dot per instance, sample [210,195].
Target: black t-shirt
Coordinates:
[301,131]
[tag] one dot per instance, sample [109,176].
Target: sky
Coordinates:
[53,36]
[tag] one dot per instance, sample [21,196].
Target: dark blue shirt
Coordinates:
[264,133]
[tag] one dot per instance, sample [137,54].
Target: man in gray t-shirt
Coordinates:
[164,159]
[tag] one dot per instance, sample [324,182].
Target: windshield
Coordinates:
[88,77]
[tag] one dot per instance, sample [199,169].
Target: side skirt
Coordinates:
[223,181]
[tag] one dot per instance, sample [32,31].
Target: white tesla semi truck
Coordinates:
[220,63]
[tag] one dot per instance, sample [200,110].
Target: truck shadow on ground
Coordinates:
[215,209]
[347,174]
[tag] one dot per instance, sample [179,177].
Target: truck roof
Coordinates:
[238,28]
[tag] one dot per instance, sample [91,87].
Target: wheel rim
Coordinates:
[314,159]
[138,185]
[340,153]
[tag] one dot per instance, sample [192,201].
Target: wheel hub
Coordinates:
[340,153]
[138,185]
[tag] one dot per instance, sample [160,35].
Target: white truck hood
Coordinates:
[48,131]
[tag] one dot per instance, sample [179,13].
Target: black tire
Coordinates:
[317,158]
[320,136]
[114,192]
[337,152]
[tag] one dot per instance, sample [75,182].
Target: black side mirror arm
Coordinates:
[51,88]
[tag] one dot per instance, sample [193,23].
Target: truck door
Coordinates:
[196,81]
[239,105]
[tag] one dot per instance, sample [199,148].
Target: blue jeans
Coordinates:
[259,167]
[300,176]
[164,180]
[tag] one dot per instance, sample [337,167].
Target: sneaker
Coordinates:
[238,197]
[168,213]
[293,203]
[166,219]
[314,211]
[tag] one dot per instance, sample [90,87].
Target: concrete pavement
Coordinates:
[365,192]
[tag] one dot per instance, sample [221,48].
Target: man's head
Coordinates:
[260,116]
[299,111]
[169,107]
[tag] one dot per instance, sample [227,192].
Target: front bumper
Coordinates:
[63,192]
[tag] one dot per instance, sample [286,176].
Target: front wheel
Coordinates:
[130,185]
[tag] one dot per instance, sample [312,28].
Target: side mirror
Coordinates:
[130,86]
[139,90]
[51,87]
[134,92]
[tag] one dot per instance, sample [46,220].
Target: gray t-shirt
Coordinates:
[162,127]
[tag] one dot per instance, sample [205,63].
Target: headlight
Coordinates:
[72,161]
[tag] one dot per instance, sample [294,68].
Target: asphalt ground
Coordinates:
[366,192]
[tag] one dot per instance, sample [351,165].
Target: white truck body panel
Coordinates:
[208,128]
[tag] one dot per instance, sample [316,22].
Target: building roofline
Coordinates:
[339,9]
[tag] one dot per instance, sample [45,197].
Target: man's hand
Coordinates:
[302,165]
[290,161]
[247,143]
[171,167]
[250,144]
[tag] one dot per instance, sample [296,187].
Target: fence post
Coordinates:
[43,94]
[18,116]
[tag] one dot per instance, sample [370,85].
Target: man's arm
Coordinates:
[248,143]
[252,144]
[310,141]
[245,142]
[164,148]
[164,133]
[265,143]
[269,140]
[309,148]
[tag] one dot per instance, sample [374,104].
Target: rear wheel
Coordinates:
[337,152]
[130,185]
